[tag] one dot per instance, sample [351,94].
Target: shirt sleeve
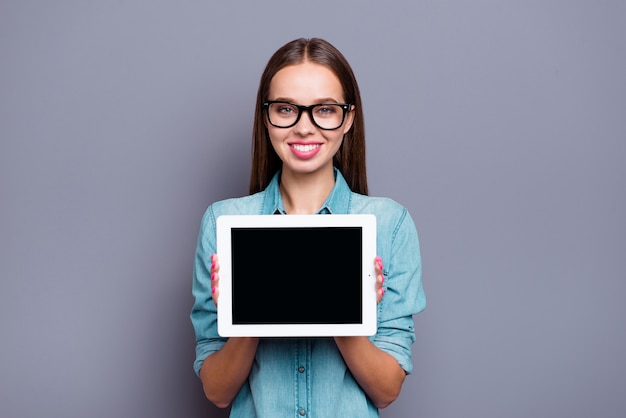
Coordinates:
[204,312]
[404,295]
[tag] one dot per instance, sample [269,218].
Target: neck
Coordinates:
[305,193]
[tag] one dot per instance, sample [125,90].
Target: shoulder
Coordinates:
[383,207]
[245,205]
[391,216]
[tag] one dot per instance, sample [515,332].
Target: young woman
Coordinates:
[309,158]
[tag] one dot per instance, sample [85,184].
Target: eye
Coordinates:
[285,109]
[326,110]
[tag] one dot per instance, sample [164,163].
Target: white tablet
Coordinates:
[296,275]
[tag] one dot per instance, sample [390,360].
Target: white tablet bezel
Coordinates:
[366,222]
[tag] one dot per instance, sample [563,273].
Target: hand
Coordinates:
[215,278]
[380,279]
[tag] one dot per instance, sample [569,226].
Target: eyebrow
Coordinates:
[317,101]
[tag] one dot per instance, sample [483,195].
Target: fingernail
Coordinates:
[379,262]
[213,289]
[212,276]
[213,266]
[382,291]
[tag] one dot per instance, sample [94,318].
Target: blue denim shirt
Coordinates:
[295,377]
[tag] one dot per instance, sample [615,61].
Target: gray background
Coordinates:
[499,124]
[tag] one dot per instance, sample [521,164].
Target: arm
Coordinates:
[380,364]
[225,371]
[222,364]
[377,372]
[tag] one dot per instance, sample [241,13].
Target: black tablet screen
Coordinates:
[297,275]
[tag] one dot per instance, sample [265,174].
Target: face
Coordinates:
[304,148]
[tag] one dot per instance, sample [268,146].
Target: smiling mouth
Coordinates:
[305,147]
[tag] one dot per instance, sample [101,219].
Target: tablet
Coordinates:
[296,275]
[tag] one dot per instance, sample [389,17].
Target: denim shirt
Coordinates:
[296,377]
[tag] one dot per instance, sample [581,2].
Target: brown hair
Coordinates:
[350,158]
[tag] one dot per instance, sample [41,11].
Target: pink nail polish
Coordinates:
[379,262]
[213,290]
[212,276]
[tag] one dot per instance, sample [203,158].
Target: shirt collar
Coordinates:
[338,201]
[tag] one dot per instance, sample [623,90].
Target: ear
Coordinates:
[347,124]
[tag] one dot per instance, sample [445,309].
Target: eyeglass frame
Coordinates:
[346,107]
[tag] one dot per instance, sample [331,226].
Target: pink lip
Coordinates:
[305,151]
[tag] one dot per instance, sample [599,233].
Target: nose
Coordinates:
[305,125]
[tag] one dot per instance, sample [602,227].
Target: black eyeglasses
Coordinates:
[326,116]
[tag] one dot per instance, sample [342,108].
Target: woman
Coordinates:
[309,158]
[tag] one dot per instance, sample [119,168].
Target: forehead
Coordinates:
[305,83]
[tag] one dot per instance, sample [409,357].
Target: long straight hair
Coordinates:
[350,158]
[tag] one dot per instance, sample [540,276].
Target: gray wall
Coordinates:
[500,125]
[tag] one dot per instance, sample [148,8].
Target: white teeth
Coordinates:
[305,148]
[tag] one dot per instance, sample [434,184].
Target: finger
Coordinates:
[378,265]
[215,266]
[380,279]
[380,290]
[215,293]
[215,278]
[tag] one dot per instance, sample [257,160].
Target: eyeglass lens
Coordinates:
[326,116]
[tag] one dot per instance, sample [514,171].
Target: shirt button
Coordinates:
[301,369]
[302,412]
